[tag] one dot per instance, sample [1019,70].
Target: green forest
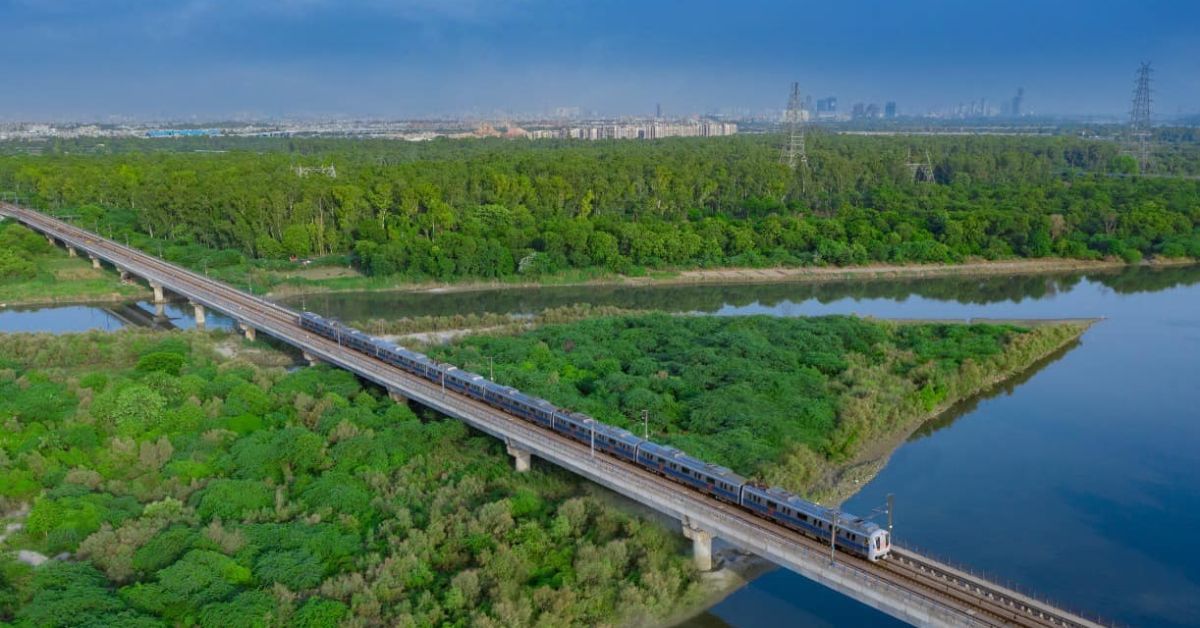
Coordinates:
[493,209]
[783,399]
[187,488]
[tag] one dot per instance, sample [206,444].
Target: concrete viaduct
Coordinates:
[908,586]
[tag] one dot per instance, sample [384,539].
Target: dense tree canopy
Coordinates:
[498,209]
[201,491]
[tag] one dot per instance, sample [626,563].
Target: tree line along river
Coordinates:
[1077,483]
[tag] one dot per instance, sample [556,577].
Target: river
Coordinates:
[1078,483]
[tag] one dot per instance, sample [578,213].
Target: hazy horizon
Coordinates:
[215,59]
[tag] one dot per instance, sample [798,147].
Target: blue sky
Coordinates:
[212,58]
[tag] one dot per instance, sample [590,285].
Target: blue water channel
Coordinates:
[1078,483]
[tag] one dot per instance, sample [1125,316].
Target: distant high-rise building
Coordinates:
[872,111]
[1018,103]
[827,107]
[859,110]
[658,110]
[889,110]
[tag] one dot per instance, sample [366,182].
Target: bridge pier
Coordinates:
[521,458]
[310,358]
[160,311]
[50,239]
[199,313]
[158,292]
[397,396]
[701,545]
[71,252]
[247,330]
[95,262]
[124,275]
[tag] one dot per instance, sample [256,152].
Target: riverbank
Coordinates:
[840,482]
[68,280]
[717,276]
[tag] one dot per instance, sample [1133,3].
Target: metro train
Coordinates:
[854,534]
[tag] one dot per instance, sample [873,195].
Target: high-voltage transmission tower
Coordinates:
[793,153]
[1139,117]
[304,171]
[922,171]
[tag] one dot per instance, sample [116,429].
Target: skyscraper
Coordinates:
[1018,102]
[889,110]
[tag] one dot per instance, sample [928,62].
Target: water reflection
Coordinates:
[1007,387]
[357,306]
[61,319]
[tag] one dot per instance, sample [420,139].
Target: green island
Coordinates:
[795,402]
[194,479]
[402,215]
[34,271]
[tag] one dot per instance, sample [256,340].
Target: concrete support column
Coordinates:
[200,315]
[521,458]
[310,358]
[397,396]
[160,311]
[95,262]
[247,330]
[50,239]
[124,275]
[71,252]
[158,292]
[701,545]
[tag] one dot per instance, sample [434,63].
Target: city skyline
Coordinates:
[213,59]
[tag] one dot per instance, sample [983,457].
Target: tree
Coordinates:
[297,240]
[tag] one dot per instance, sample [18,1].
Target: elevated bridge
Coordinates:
[908,586]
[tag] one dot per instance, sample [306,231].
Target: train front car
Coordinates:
[881,544]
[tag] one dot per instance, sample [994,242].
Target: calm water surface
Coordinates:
[109,317]
[1078,483]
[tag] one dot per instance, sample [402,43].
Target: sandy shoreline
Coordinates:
[718,276]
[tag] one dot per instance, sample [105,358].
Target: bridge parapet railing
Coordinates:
[985,578]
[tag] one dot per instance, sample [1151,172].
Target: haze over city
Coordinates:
[216,59]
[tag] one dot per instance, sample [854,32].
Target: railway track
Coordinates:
[1007,606]
[977,601]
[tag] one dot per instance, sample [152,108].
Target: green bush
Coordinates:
[159,361]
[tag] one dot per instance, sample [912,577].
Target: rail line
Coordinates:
[917,589]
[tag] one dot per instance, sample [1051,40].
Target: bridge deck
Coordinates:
[907,586]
